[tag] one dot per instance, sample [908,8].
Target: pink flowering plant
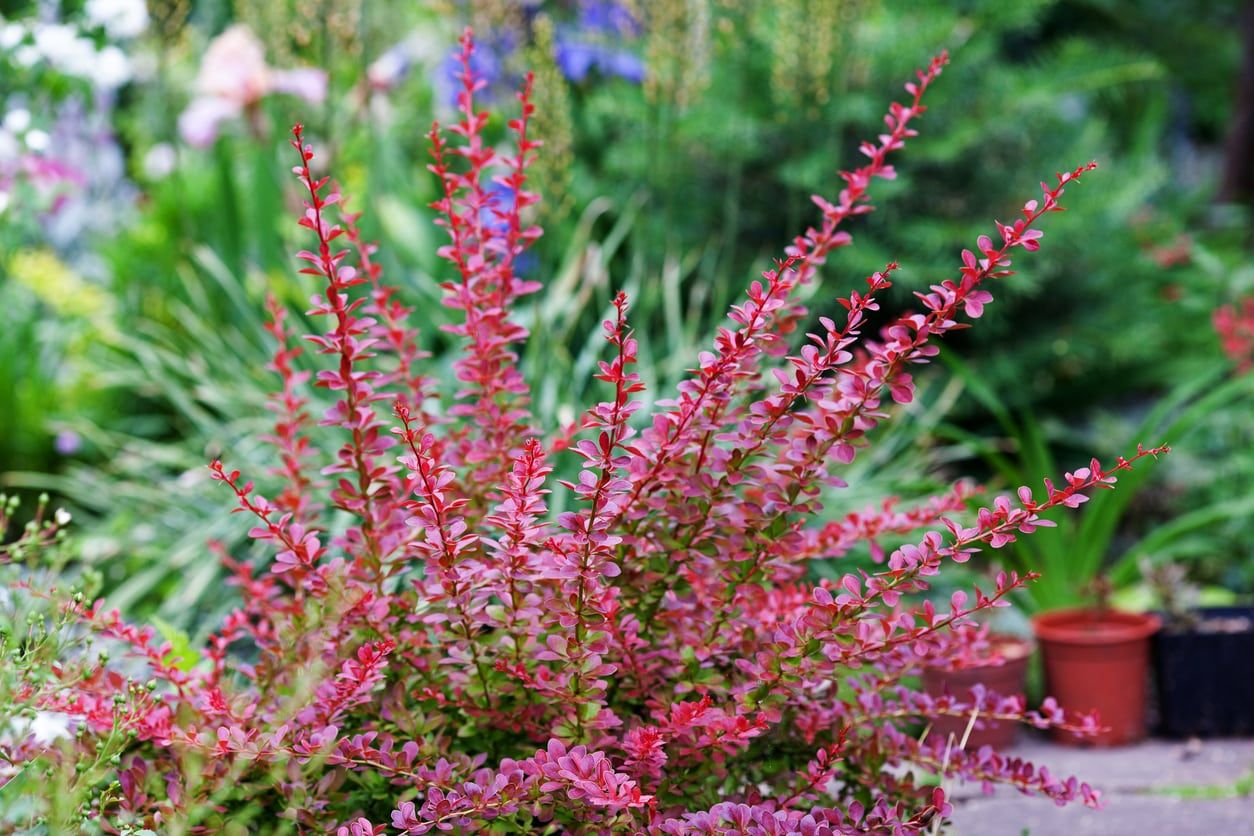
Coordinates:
[442,642]
[1235,326]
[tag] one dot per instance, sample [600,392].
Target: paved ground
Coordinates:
[1150,789]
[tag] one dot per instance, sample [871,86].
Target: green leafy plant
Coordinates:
[1084,548]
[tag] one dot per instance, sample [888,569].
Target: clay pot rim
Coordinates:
[1021,648]
[1022,645]
[1088,627]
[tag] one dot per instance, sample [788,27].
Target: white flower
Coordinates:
[61,46]
[47,726]
[37,140]
[9,147]
[26,55]
[11,34]
[4,202]
[159,161]
[17,120]
[113,68]
[120,18]
[68,52]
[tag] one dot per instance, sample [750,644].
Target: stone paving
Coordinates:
[1151,788]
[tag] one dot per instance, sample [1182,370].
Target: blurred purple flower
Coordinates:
[595,43]
[488,63]
[500,200]
[67,442]
[577,57]
[612,18]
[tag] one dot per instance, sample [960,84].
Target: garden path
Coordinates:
[1155,787]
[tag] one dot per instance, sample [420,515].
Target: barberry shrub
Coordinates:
[433,648]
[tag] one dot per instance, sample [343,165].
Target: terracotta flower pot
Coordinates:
[1005,678]
[1098,660]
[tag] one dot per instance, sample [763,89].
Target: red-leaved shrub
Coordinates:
[456,657]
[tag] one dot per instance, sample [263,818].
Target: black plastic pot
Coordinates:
[1205,675]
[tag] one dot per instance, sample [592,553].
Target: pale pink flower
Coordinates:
[234,77]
